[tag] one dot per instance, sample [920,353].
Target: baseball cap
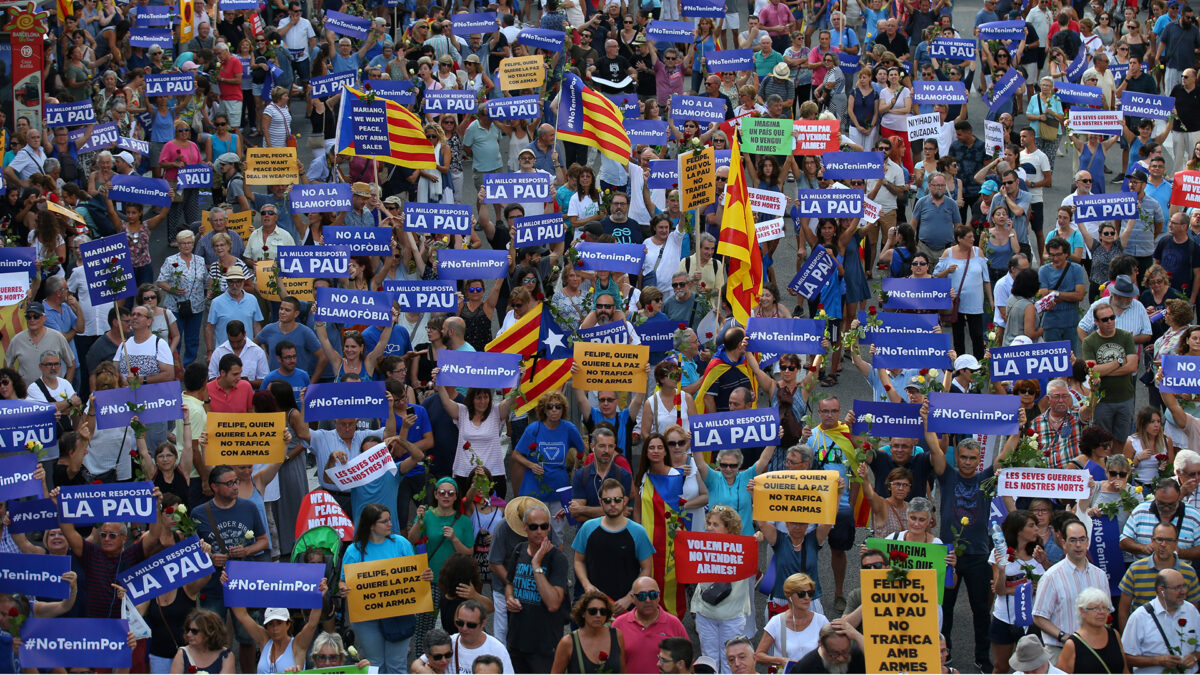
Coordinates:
[966,361]
[128,157]
[36,308]
[276,614]
[989,187]
[228,158]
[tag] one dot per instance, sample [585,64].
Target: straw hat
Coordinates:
[514,513]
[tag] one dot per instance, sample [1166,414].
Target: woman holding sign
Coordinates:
[479,422]
[660,510]
[279,650]
[1012,568]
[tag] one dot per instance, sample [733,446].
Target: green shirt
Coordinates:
[1118,388]
[1138,582]
[440,549]
[764,66]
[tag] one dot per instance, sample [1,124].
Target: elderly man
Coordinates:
[1030,657]
[1151,649]
[1137,586]
[839,650]
[612,73]
[739,654]
[1058,429]
[102,560]
[264,242]
[766,57]
[1166,507]
[1131,313]
[229,83]
[934,217]
[218,221]
[535,588]
[1187,472]
[645,627]
[29,160]
[703,269]
[1116,358]
[545,157]
[234,303]
[1002,291]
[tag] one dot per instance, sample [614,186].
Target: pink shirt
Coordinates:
[171,152]
[772,16]
[641,642]
[815,55]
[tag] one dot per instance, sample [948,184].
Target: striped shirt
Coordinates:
[1138,582]
[1140,525]
[1056,593]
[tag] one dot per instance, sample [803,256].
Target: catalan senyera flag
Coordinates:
[541,377]
[739,241]
[400,139]
[64,9]
[587,117]
[521,337]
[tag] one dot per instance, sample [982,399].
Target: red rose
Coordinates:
[1011,557]
[583,237]
[175,264]
[681,326]
[266,248]
[603,656]
[467,445]
[478,499]
[903,556]
[991,326]
[12,611]
[682,501]
[924,371]
[1182,622]
[113,261]
[367,86]
[203,597]
[191,669]
[62,260]
[820,307]
[1030,432]
[1011,551]
[169,510]
[707,335]
[579,263]
[533,446]
[540,297]
[133,369]
[1091,364]
[887,387]
[97,482]
[1160,456]
[871,310]
[133,453]
[702,284]
[894,554]
[424,383]
[811,369]
[1046,453]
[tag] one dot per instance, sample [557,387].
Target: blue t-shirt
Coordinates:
[298,380]
[551,446]
[415,433]
[224,309]
[398,344]
[1063,314]
[392,547]
[382,490]
[789,561]
[734,496]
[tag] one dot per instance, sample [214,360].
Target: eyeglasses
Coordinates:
[677,444]
[1077,540]
[646,595]
[805,593]
[228,483]
[679,284]
[1108,233]
[1164,540]
[1083,180]
[873,566]
[598,306]
[446,493]
[599,611]
[554,406]
[729,466]
[537,526]
[611,500]
[33,315]
[50,365]
[1010,182]
[466,624]
[110,535]
[607,399]
[445,656]
[1105,319]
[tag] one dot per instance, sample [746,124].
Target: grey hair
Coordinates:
[774,98]
[918,505]
[215,211]
[533,509]
[50,164]
[325,639]
[1182,457]
[184,235]
[1046,79]
[706,238]
[436,637]
[805,453]
[1089,595]
[54,284]
[967,444]
[104,154]
[730,452]
[1057,383]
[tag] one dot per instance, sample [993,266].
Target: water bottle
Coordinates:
[998,537]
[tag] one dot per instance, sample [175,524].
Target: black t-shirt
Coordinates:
[919,465]
[647,85]
[811,663]
[897,45]
[627,232]
[612,563]
[535,629]
[613,70]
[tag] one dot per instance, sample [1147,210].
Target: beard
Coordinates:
[837,668]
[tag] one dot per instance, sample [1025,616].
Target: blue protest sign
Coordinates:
[537,230]
[158,402]
[314,262]
[1152,106]
[325,86]
[456,264]
[647,132]
[664,174]
[786,336]
[542,38]
[33,515]
[1119,71]
[621,258]
[468,24]
[955,49]
[16,475]
[1104,550]
[235,5]
[108,269]
[423,296]
[102,136]
[1002,30]
[1041,361]
[170,84]
[934,91]
[506,188]
[670,31]
[611,333]
[811,277]
[1077,66]
[627,104]
[274,584]
[38,575]
[361,240]
[363,400]
[888,420]
[67,643]
[134,145]
[139,190]
[904,293]
[752,428]
[1081,94]
[438,218]
[125,502]
[515,107]
[148,37]
[848,63]
[346,24]
[981,413]
[830,203]
[694,9]
[21,259]
[1010,83]
[154,15]
[730,60]
[921,350]
[482,370]
[450,101]
[896,323]
[1112,206]
[400,91]
[74,114]
[321,197]
[194,176]
[658,335]
[179,565]
[853,165]
[702,109]
[353,307]
[1023,604]
[1180,374]
[24,421]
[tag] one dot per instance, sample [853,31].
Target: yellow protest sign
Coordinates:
[797,497]
[245,438]
[265,272]
[242,223]
[697,179]
[900,622]
[390,587]
[522,72]
[609,367]
[65,212]
[272,166]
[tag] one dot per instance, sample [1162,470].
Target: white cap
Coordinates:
[966,361]
[127,156]
[276,614]
[1021,340]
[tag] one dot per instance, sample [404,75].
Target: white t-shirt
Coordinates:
[894,174]
[296,39]
[145,356]
[461,657]
[61,391]
[254,360]
[1041,164]
[1002,606]
[1000,293]
[798,644]
[582,207]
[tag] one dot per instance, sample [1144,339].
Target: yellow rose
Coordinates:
[921,379]
[1138,489]
[965,521]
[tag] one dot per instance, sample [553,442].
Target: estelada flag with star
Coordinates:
[551,369]
[739,241]
[377,128]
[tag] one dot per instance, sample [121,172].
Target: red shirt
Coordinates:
[235,401]
[229,70]
[641,642]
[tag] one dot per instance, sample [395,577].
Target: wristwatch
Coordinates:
[1062,636]
[539,570]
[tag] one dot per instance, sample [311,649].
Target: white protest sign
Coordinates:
[924,126]
[1050,483]
[1045,302]
[769,230]
[871,210]
[993,138]
[13,287]
[946,138]
[767,201]
[364,469]
[1084,121]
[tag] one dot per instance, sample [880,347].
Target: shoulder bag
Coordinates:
[951,315]
[1047,131]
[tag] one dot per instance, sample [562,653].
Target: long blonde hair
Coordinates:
[436,129]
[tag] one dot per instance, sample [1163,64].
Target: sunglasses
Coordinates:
[677,444]
[466,624]
[1030,392]
[787,368]
[554,406]
[1083,180]
[922,263]
[646,595]
[611,500]
[1119,474]
[807,593]
[873,566]
[599,611]
[605,306]
[607,399]
[191,631]
[1106,319]
[334,658]
[268,213]
[446,493]
[681,284]
[728,466]
[475,289]
[537,526]
[222,124]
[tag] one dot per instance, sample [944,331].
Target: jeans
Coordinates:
[189,331]
[389,657]
[500,617]
[975,573]
[1063,333]
[714,633]
[1116,417]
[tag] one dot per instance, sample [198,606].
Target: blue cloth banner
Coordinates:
[1002,30]
[348,25]
[515,107]
[1076,67]
[139,190]
[314,262]
[920,350]
[123,502]
[955,49]
[400,91]
[102,136]
[469,24]
[1111,206]
[703,109]
[482,370]
[891,420]
[620,258]
[611,333]
[658,335]
[423,296]
[949,92]
[35,575]
[353,307]
[694,9]
[34,515]
[325,86]
[670,31]
[570,111]
[542,38]
[647,132]
[195,176]
[74,114]
[729,59]
[547,228]
[16,476]
[438,218]
[811,277]
[1041,361]
[154,15]
[917,293]
[664,174]
[105,258]
[163,402]
[1010,83]
[627,104]
[361,240]
[1151,106]
[67,643]
[754,428]
[148,37]
[786,336]
[1180,374]
[321,197]
[1119,71]
[505,188]
[336,400]
[1022,604]
[853,165]
[234,5]
[134,145]
[981,413]
[457,264]
[830,203]
[1104,550]
[170,84]
[274,584]
[20,259]
[848,63]
[1081,94]
[177,566]
[450,101]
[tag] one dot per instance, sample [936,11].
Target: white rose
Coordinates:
[868,418]
[181,509]
[249,535]
[991,335]
[352,652]
[1033,442]
[933,372]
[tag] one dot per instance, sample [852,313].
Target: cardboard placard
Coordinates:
[920,557]
[390,587]
[522,72]
[1050,483]
[245,438]
[610,367]
[272,166]
[300,288]
[697,179]
[900,622]
[62,211]
[797,496]
[707,556]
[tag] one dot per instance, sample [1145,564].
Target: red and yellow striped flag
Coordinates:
[545,377]
[406,143]
[739,241]
[589,118]
[521,337]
